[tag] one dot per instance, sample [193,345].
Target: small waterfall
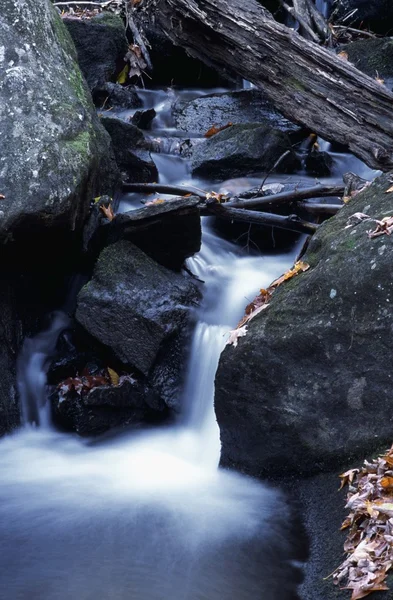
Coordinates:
[32,366]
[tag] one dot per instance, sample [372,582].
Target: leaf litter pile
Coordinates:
[369,544]
[261,301]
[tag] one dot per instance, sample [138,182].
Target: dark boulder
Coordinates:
[319,163]
[114,95]
[376,15]
[135,306]
[143,118]
[241,150]
[131,151]
[244,106]
[374,57]
[309,386]
[101,45]
[55,155]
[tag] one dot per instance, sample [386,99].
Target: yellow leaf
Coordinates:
[113,376]
[123,75]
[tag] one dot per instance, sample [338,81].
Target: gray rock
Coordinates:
[134,305]
[244,106]
[101,45]
[309,386]
[319,163]
[114,95]
[241,150]
[376,15]
[55,155]
[374,57]
[131,153]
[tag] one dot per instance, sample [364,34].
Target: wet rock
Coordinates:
[244,106]
[114,95]
[106,407]
[55,155]
[374,57]
[135,306]
[168,232]
[376,15]
[143,118]
[241,150]
[319,163]
[131,153]
[308,387]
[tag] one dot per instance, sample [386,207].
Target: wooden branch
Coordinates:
[318,191]
[315,208]
[292,222]
[175,190]
[309,84]
[303,20]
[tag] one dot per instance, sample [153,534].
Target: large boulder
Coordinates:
[376,15]
[243,106]
[241,150]
[55,155]
[131,151]
[309,386]
[101,45]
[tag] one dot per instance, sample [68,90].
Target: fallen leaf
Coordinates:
[387,483]
[389,190]
[113,376]
[343,55]
[108,212]
[153,202]
[213,130]
[235,334]
[123,75]
[214,197]
[2,197]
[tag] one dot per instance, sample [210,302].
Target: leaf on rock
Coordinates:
[153,202]
[235,334]
[113,376]
[2,197]
[123,75]
[213,130]
[389,190]
[213,197]
[384,227]
[343,55]
[108,212]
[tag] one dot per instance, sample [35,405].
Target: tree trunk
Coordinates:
[306,82]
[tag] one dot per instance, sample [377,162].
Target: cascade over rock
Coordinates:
[309,386]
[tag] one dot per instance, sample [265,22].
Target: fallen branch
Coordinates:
[318,191]
[319,209]
[175,190]
[291,223]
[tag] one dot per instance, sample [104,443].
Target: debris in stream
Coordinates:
[369,544]
[213,130]
[384,227]
[261,301]
[108,211]
[84,383]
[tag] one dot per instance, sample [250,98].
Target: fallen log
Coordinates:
[307,83]
[175,190]
[319,209]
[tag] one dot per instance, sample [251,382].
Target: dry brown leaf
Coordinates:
[215,197]
[389,190]
[2,197]
[387,483]
[343,55]
[108,212]
[235,334]
[213,130]
[154,202]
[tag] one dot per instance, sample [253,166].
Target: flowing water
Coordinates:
[147,515]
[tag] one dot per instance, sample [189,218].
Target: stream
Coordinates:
[148,515]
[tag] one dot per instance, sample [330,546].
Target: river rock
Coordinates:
[131,151]
[376,15]
[135,306]
[241,150]
[101,45]
[374,57]
[113,95]
[319,163]
[243,106]
[55,156]
[308,387]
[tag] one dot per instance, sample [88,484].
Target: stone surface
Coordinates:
[114,95]
[135,306]
[241,150]
[309,386]
[376,15]
[101,45]
[374,57]
[244,106]
[131,153]
[55,155]
[319,163]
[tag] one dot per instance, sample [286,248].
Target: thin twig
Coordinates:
[273,167]
[317,191]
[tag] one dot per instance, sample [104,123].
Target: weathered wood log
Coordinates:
[291,222]
[319,209]
[318,191]
[306,82]
[175,190]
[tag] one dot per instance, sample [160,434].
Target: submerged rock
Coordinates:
[319,163]
[135,306]
[131,151]
[308,387]
[55,155]
[241,150]
[244,106]
[101,45]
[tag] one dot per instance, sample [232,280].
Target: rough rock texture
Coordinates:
[55,156]
[374,57]
[244,106]
[130,146]
[376,15]
[310,384]
[319,163]
[114,95]
[134,305]
[241,150]
[101,45]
